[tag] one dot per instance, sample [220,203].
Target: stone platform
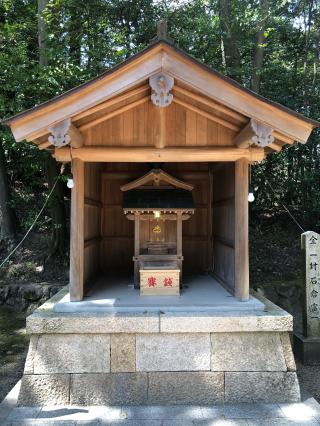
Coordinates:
[117,294]
[158,358]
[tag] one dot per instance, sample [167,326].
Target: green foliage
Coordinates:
[87,37]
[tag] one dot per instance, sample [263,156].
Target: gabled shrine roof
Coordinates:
[108,72]
[161,56]
[157,198]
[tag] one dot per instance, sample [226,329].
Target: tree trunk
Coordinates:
[42,34]
[259,50]
[58,213]
[8,219]
[230,52]
[57,207]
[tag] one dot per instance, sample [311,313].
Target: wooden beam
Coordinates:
[93,203]
[76,137]
[154,155]
[283,138]
[44,145]
[275,147]
[207,115]
[211,104]
[256,133]
[161,134]
[92,241]
[114,113]
[241,246]
[77,232]
[244,138]
[150,216]
[111,102]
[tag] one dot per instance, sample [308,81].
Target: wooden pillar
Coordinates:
[136,248]
[77,232]
[210,222]
[241,231]
[179,242]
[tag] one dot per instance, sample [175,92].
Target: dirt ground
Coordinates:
[13,348]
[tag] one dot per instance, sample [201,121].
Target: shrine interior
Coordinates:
[207,236]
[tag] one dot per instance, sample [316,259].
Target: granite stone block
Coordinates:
[48,322]
[44,389]
[123,353]
[173,352]
[247,352]
[70,353]
[268,387]
[28,367]
[287,351]
[275,320]
[172,388]
[109,389]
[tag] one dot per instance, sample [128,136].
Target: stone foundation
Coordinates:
[155,358]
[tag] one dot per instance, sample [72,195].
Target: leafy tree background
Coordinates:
[270,46]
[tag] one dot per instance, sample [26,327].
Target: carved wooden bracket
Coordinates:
[263,134]
[161,84]
[63,133]
[256,133]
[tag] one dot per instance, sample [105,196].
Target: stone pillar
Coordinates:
[307,345]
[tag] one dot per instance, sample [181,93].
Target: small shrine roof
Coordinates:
[157,198]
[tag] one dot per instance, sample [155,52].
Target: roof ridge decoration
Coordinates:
[162,33]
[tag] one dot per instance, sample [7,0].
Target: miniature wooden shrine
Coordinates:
[158,203]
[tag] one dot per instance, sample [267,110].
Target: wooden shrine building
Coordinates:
[159,147]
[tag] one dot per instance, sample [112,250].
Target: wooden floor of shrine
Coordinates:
[115,293]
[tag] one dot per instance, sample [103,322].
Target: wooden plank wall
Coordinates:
[223,223]
[141,127]
[118,232]
[195,248]
[92,220]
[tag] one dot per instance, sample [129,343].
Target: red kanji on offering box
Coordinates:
[167,282]
[152,282]
[159,282]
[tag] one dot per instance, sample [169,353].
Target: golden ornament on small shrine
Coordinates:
[157,229]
